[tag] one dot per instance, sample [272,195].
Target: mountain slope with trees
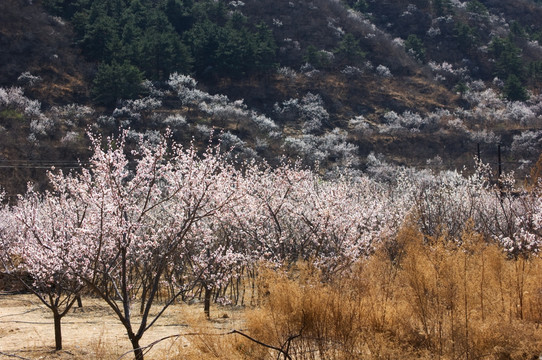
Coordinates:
[348,84]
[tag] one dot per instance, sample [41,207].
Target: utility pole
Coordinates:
[499,159]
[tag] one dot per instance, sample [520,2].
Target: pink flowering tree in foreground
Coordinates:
[213,252]
[121,225]
[217,255]
[142,223]
[37,233]
[254,227]
[343,220]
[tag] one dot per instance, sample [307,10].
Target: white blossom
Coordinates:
[383,71]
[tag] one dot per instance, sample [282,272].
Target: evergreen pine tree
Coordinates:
[116,81]
[514,90]
[349,49]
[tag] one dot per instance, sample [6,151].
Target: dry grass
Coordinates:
[417,299]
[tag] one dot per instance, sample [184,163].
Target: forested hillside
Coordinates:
[345,84]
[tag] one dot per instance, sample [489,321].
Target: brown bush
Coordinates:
[437,300]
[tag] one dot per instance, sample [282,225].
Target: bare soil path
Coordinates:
[93,332]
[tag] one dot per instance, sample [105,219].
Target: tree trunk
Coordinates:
[143,297]
[58,330]
[138,352]
[207,301]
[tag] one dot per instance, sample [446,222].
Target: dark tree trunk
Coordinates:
[58,330]
[207,301]
[138,352]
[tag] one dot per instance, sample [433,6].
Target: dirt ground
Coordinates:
[93,332]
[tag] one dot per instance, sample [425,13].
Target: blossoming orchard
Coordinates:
[144,219]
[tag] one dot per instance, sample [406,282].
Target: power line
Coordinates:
[41,164]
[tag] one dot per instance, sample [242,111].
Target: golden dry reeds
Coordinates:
[414,298]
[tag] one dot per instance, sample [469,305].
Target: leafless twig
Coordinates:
[13,356]
[147,348]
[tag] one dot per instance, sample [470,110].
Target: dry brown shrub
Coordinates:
[307,317]
[414,298]
[102,348]
[209,346]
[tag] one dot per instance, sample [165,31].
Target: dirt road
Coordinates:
[93,332]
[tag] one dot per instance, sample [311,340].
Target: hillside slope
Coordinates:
[350,84]
[33,41]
